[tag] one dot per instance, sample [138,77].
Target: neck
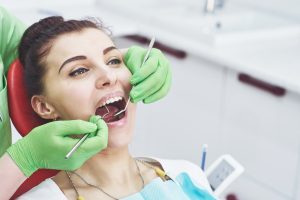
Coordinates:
[111,166]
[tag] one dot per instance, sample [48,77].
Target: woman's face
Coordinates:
[85,75]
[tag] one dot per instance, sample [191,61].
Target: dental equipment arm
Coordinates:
[151,80]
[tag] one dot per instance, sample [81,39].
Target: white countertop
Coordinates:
[277,62]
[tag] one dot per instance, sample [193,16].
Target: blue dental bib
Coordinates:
[181,189]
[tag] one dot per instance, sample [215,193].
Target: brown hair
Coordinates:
[36,44]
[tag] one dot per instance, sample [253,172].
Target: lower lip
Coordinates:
[118,123]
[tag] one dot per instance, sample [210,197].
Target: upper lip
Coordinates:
[108,96]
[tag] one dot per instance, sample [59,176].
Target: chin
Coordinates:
[119,139]
[121,129]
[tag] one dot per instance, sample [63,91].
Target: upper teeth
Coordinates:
[111,100]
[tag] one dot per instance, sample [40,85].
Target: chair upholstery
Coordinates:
[24,119]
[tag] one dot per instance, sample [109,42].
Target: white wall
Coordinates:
[289,8]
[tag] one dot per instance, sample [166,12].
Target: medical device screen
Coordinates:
[220,173]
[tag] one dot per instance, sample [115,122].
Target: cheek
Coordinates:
[72,100]
[124,76]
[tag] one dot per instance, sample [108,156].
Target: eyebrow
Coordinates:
[71,60]
[81,57]
[108,49]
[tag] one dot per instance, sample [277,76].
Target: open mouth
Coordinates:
[112,106]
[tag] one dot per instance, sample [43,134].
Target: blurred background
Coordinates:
[236,81]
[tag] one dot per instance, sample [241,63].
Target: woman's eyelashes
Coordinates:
[78,71]
[114,61]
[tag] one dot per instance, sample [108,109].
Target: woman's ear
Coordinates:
[44,109]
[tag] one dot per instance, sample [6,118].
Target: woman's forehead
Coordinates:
[86,37]
[89,40]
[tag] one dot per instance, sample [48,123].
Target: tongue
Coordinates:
[107,115]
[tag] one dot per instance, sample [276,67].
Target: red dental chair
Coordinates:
[24,119]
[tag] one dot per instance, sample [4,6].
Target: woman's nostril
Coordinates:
[106,84]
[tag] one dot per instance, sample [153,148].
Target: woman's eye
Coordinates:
[78,71]
[114,61]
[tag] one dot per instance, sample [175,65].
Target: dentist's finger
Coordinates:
[149,86]
[99,140]
[162,92]
[70,127]
[134,58]
[162,66]
[150,67]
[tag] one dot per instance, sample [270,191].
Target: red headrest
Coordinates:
[24,119]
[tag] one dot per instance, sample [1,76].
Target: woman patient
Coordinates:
[74,71]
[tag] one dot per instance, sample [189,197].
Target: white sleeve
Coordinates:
[47,190]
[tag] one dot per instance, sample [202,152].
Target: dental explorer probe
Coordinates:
[145,58]
[121,111]
[81,140]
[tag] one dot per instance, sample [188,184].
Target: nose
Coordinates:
[106,77]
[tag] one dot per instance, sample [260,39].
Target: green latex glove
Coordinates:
[151,81]
[46,146]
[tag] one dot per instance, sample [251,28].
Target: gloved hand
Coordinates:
[151,81]
[46,146]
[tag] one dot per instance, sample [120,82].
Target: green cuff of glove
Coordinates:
[15,153]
